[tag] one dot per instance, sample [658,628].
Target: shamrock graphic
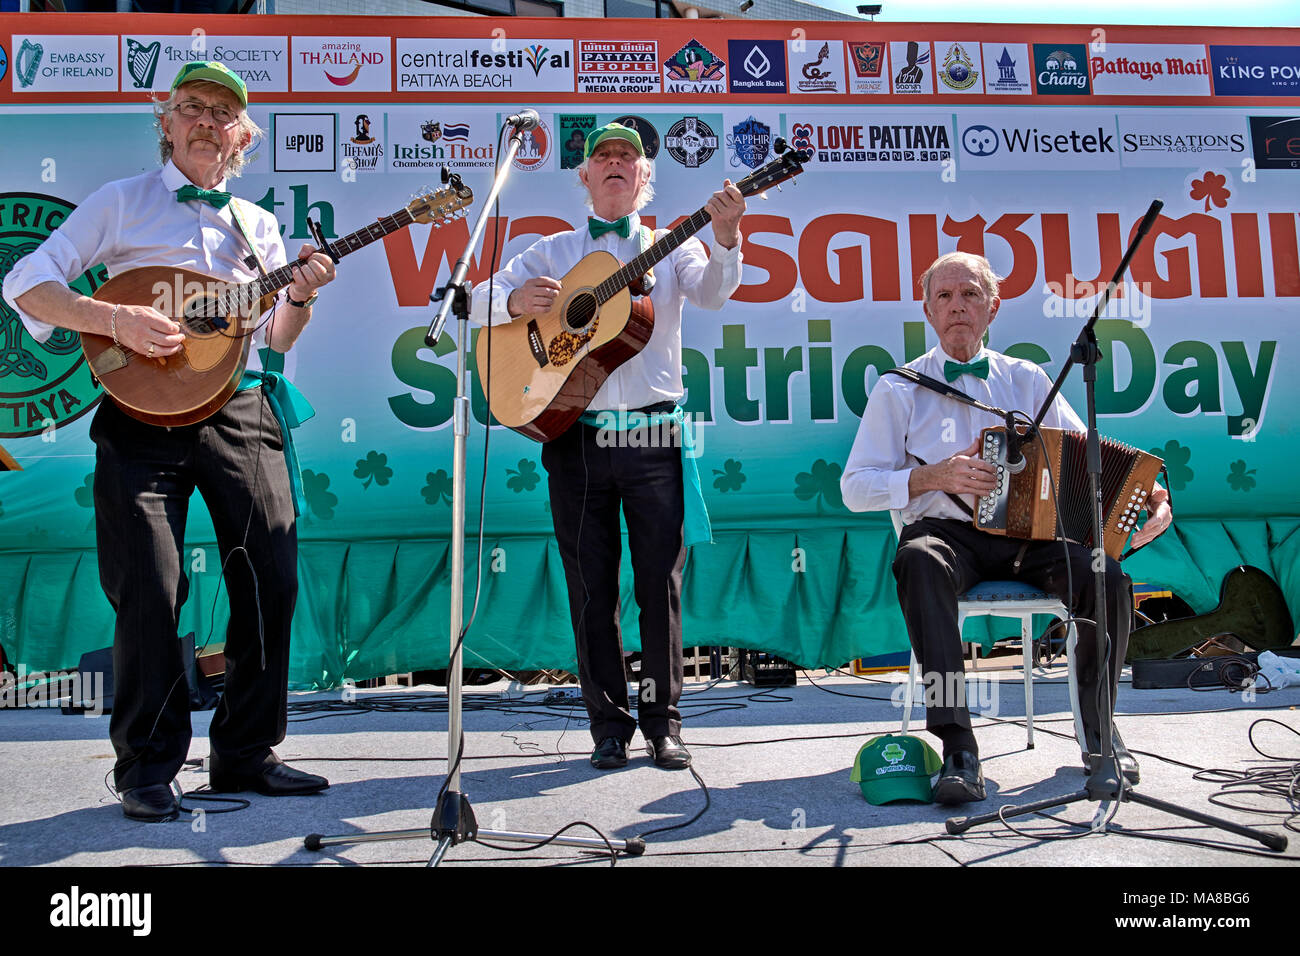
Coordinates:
[85,495]
[822,482]
[320,499]
[437,487]
[1239,478]
[1212,188]
[525,479]
[1176,457]
[893,753]
[374,467]
[730,478]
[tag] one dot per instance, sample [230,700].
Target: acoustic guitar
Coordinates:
[546,369]
[1251,607]
[218,318]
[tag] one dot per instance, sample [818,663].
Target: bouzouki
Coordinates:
[218,318]
[546,369]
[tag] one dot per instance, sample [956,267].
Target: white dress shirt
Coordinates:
[906,424]
[655,374]
[137,222]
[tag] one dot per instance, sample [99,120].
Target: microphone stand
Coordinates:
[1105,782]
[453,819]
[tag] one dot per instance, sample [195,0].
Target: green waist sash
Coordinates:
[291,409]
[696,528]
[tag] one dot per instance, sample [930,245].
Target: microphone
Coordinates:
[524,120]
[1014,462]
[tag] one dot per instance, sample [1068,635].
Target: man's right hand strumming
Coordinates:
[535,297]
[147,331]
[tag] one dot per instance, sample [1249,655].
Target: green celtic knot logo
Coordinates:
[40,382]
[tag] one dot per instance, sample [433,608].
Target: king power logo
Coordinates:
[43,385]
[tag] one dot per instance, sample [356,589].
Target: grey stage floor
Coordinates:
[776,766]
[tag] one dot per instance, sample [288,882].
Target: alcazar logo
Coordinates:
[42,384]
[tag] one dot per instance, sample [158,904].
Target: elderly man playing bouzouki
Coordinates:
[593,473]
[180,216]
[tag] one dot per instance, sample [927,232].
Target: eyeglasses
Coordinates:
[193,109]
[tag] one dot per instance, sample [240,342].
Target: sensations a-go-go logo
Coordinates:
[46,383]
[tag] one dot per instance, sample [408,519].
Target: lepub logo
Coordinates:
[40,383]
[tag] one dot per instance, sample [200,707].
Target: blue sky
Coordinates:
[1103,12]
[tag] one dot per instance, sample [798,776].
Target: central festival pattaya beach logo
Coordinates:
[43,385]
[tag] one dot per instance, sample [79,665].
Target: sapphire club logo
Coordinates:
[695,69]
[749,143]
[1062,69]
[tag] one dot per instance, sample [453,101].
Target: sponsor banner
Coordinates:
[1150,69]
[339,65]
[64,64]
[1249,70]
[573,129]
[466,65]
[537,145]
[151,62]
[958,67]
[757,66]
[1275,141]
[622,67]
[816,68]
[362,151]
[4,62]
[1190,138]
[430,137]
[885,141]
[869,67]
[1043,140]
[647,128]
[1008,68]
[912,67]
[304,142]
[1061,69]
[693,140]
[749,138]
[695,69]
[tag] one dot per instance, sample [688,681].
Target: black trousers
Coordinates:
[588,484]
[940,558]
[144,478]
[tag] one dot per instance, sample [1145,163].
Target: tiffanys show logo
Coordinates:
[362,151]
[695,69]
[329,64]
[619,66]
[529,66]
[440,144]
[43,385]
[1062,70]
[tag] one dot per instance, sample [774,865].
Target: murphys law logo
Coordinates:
[1062,70]
[142,62]
[574,128]
[695,69]
[42,384]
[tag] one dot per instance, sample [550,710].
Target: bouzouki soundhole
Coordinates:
[203,316]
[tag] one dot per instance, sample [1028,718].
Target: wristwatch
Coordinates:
[300,305]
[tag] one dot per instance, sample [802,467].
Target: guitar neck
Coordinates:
[643,263]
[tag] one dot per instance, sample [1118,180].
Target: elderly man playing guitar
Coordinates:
[592,473]
[179,216]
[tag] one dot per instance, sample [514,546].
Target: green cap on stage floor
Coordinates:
[894,767]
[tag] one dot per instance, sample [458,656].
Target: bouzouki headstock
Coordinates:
[440,204]
[786,166]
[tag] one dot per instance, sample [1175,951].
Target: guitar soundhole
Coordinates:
[580,311]
[204,316]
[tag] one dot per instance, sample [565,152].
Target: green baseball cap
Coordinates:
[894,767]
[213,72]
[612,131]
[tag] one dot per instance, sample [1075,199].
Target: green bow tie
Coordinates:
[955,370]
[598,227]
[213,196]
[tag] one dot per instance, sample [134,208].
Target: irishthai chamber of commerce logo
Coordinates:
[142,62]
[48,383]
[1062,70]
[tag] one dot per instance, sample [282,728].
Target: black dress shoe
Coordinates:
[960,781]
[610,754]
[668,752]
[1128,765]
[271,779]
[154,803]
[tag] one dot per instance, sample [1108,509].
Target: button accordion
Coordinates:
[1023,505]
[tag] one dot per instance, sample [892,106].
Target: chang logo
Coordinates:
[1062,70]
[980,140]
[40,383]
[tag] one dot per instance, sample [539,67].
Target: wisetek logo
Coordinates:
[1255,70]
[1275,141]
[1061,69]
[997,146]
[757,66]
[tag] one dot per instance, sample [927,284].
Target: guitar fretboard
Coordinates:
[642,264]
